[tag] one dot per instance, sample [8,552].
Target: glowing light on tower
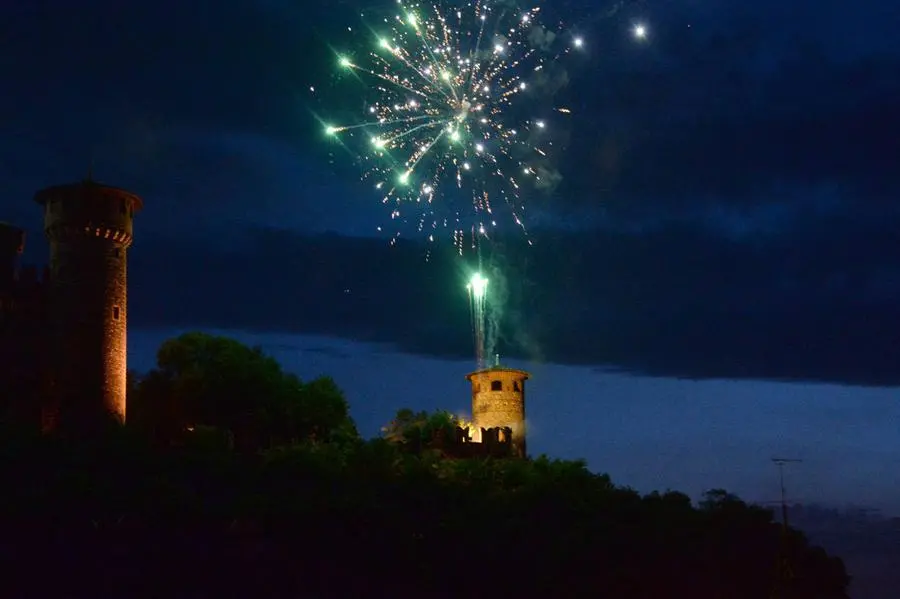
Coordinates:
[477,289]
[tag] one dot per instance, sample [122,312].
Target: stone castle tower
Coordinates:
[498,401]
[89,228]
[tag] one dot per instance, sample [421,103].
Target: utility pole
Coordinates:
[784,574]
[780,462]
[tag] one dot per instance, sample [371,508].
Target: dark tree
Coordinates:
[207,381]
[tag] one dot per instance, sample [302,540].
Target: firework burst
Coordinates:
[453,132]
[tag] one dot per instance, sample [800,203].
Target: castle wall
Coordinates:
[22,334]
[493,443]
[12,243]
[88,295]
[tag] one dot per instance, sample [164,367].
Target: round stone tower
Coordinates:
[498,400]
[89,227]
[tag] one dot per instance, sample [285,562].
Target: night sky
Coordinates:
[715,280]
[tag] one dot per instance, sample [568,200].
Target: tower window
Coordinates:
[496,386]
[115,312]
[117,252]
[516,386]
[124,208]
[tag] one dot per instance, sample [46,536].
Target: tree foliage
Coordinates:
[420,431]
[211,381]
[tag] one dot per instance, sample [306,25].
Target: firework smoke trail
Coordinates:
[451,115]
[477,289]
[494,311]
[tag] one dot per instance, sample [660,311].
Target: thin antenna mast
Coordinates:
[780,462]
[783,571]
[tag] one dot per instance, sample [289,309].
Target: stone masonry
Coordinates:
[89,227]
[498,401]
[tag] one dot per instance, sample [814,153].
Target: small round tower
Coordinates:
[498,400]
[89,227]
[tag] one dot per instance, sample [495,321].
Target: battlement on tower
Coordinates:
[90,194]
[470,443]
[87,210]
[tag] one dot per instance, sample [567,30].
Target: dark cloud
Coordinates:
[820,304]
[710,129]
[328,351]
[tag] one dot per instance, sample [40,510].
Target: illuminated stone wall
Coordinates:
[498,401]
[89,227]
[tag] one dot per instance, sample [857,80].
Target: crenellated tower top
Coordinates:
[89,209]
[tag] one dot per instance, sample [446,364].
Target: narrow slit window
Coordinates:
[115,313]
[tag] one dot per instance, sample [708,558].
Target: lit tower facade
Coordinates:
[89,227]
[498,400]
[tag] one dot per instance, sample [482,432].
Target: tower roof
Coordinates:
[73,189]
[498,369]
